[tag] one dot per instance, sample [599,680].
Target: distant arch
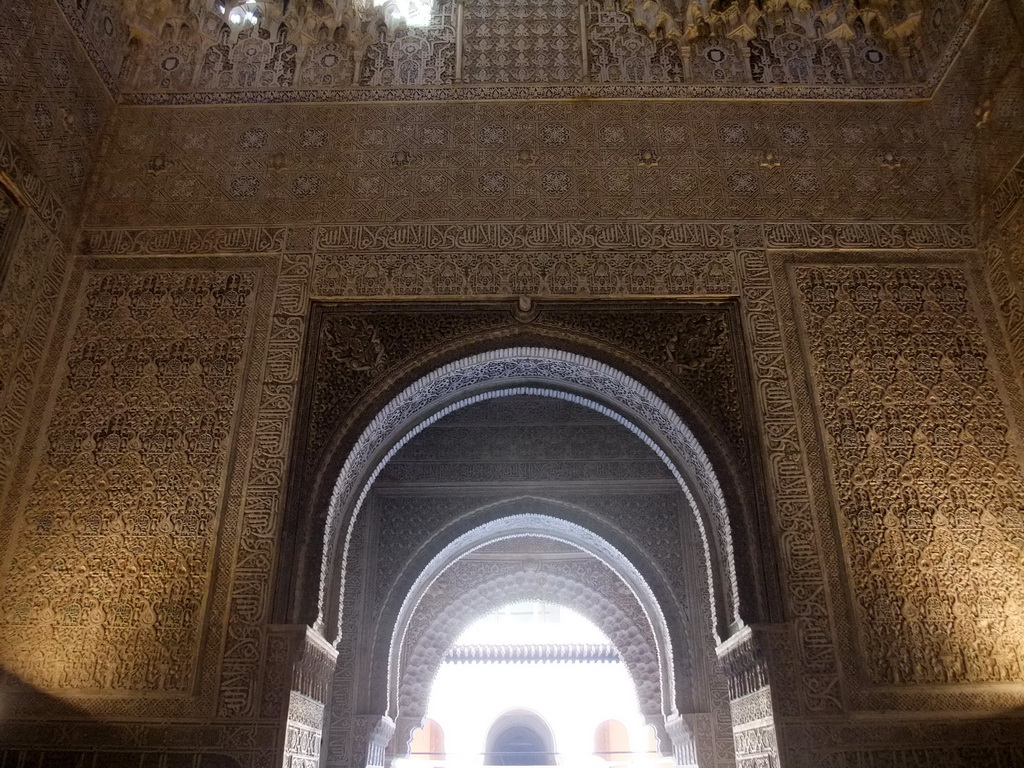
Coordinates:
[520,737]
[428,741]
[611,741]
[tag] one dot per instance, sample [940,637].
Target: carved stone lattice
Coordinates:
[619,52]
[414,56]
[254,59]
[522,41]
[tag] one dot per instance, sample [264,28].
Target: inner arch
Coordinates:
[540,526]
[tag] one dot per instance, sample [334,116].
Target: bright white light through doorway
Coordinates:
[533,684]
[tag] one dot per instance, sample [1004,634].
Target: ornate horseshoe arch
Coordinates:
[543,526]
[426,644]
[532,371]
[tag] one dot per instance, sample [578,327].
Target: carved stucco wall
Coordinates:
[803,512]
[251,181]
[191,51]
[108,579]
[926,467]
[118,591]
[53,111]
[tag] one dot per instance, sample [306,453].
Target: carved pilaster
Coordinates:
[405,727]
[308,664]
[692,737]
[748,670]
[375,732]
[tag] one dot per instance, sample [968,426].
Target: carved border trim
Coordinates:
[477,237]
[1008,193]
[555,91]
[21,171]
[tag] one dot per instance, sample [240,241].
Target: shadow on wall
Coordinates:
[29,716]
[983,742]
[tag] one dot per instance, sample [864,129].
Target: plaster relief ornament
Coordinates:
[231,46]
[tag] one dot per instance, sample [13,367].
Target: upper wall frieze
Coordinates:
[156,52]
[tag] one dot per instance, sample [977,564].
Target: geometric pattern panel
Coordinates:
[522,41]
[525,162]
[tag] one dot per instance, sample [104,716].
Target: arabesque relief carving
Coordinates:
[846,175]
[107,586]
[926,469]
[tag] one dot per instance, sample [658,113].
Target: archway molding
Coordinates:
[531,371]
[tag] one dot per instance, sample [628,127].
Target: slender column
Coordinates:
[685,55]
[375,731]
[844,50]
[357,69]
[904,54]
[460,12]
[684,744]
